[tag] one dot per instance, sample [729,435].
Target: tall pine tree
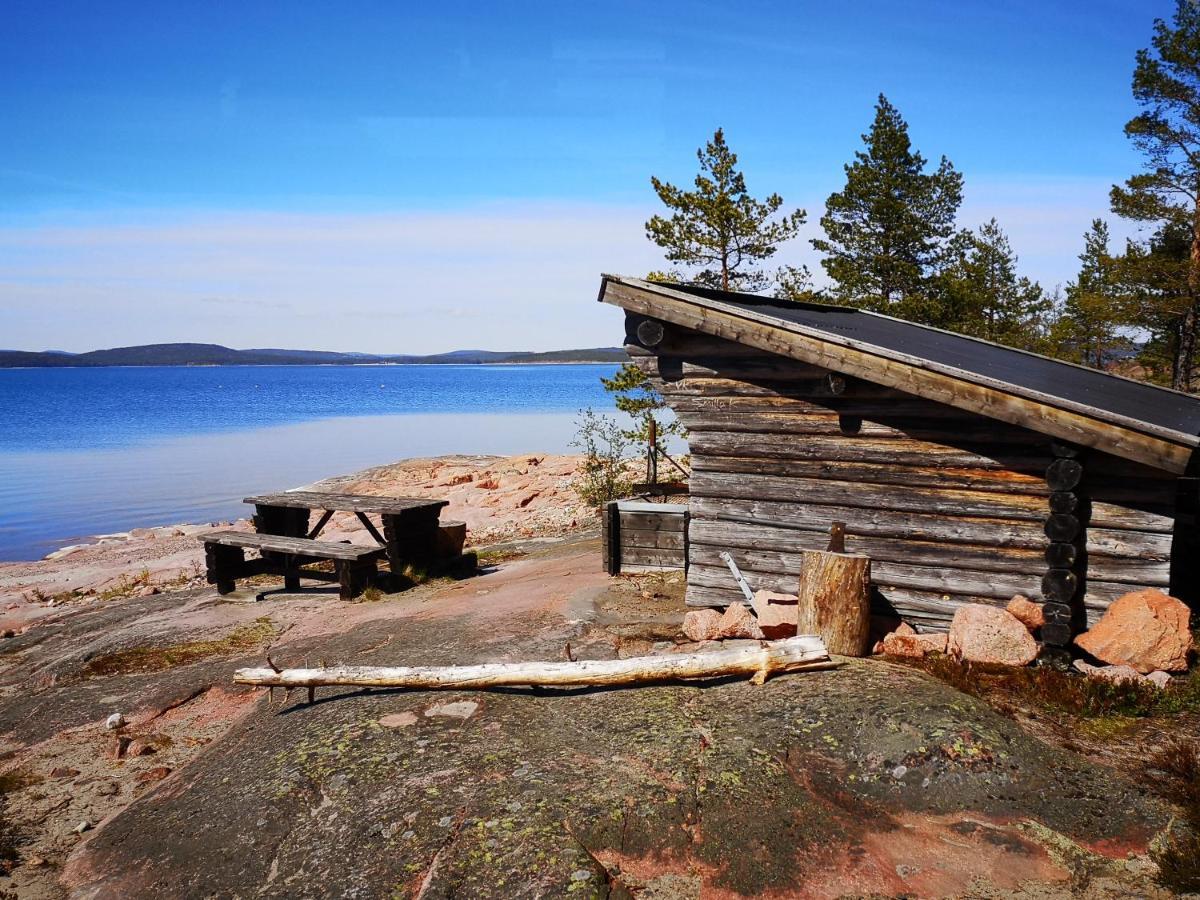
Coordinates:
[1088,331]
[719,230]
[983,296]
[1166,85]
[887,231]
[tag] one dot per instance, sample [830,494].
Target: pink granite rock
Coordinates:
[776,614]
[739,622]
[1027,612]
[702,624]
[1146,630]
[988,634]
[1112,673]
[914,645]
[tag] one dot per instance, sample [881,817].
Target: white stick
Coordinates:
[761,660]
[738,577]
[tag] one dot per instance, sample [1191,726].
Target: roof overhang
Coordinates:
[1088,426]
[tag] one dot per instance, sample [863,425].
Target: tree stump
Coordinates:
[834,600]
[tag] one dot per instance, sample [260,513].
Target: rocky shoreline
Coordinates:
[500,498]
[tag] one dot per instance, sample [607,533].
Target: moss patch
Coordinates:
[155,659]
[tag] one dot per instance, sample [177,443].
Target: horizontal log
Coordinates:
[653,521]
[864,448]
[979,479]
[746,370]
[889,576]
[928,500]
[707,536]
[917,526]
[760,660]
[639,556]
[652,539]
[797,423]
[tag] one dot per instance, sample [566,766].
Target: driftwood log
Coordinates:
[834,600]
[760,661]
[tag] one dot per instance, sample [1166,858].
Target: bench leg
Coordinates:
[353,577]
[291,576]
[220,563]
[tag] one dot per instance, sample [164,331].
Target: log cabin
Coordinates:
[967,471]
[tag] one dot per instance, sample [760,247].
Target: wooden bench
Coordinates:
[225,558]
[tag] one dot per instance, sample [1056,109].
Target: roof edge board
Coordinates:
[1100,415]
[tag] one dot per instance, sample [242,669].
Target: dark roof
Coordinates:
[1087,387]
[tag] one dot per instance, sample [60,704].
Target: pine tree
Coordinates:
[1089,329]
[719,230]
[887,232]
[983,296]
[1166,85]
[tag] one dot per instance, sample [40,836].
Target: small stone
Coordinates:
[459,709]
[108,789]
[115,721]
[1147,630]
[445,821]
[37,862]
[986,634]
[913,645]
[63,772]
[158,773]
[398,720]
[118,747]
[140,748]
[1160,678]
[702,624]
[899,772]
[1112,673]
[776,613]
[1027,612]
[83,826]
[7,633]
[581,875]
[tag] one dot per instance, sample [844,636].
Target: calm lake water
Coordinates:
[89,451]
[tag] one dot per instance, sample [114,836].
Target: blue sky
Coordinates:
[419,177]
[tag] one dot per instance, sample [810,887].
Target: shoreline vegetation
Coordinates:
[208,355]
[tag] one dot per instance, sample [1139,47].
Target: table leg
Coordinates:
[411,540]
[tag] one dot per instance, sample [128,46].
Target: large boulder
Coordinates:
[988,634]
[776,613]
[709,625]
[1146,630]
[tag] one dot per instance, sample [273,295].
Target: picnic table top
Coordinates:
[298,546]
[346,502]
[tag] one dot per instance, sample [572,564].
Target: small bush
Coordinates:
[605,474]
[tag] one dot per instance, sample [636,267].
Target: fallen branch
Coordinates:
[761,661]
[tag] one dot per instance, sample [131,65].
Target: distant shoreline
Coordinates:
[328,365]
[211,355]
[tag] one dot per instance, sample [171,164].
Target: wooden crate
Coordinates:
[644,537]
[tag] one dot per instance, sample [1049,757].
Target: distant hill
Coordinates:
[216,355]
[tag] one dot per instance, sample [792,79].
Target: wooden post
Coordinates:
[610,524]
[834,600]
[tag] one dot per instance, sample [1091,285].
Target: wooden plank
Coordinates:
[652,539]
[643,506]
[348,502]
[298,546]
[958,503]
[782,422]
[1086,426]
[653,521]
[639,556]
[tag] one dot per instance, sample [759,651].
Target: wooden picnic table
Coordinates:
[409,524]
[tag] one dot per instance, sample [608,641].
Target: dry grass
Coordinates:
[155,659]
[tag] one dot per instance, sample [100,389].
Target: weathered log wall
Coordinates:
[951,506]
